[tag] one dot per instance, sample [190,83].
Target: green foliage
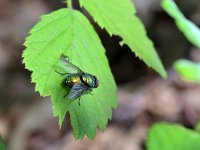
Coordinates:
[118,18]
[188,70]
[172,137]
[2,145]
[197,128]
[189,29]
[68,31]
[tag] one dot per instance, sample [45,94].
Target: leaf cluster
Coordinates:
[69,32]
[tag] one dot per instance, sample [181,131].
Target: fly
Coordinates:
[79,82]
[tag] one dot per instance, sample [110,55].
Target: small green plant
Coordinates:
[189,29]
[2,145]
[163,136]
[188,70]
[69,32]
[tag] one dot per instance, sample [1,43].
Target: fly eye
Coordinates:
[96,82]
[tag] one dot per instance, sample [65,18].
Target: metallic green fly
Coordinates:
[78,81]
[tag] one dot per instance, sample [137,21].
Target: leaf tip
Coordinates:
[121,43]
[164,74]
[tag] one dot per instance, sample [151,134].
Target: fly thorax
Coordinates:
[71,80]
[88,79]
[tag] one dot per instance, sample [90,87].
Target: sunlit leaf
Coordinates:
[188,70]
[189,29]
[172,137]
[118,17]
[68,31]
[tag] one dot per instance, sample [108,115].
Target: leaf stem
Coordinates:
[69,4]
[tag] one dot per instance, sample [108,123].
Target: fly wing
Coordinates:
[68,66]
[77,90]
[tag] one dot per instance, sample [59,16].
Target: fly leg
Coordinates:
[62,74]
[89,91]
[79,99]
[65,94]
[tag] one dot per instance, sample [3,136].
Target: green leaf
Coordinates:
[68,31]
[188,70]
[189,29]
[118,18]
[2,145]
[197,128]
[172,137]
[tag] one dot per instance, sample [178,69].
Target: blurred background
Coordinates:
[26,119]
